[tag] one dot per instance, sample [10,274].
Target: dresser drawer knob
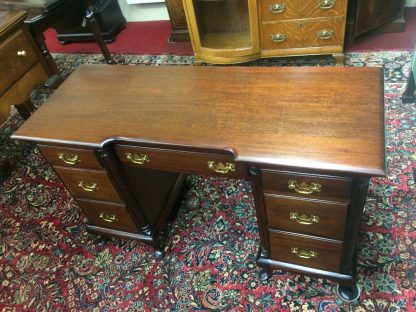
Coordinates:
[89,187]
[277,8]
[138,159]
[21,53]
[278,37]
[70,159]
[304,219]
[220,167]
[325,34]
[304,254]
[325,4]
[108,217]
[304,188]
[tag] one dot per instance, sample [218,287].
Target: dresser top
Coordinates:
[323,118]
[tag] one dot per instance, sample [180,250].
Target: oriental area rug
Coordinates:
[49,262]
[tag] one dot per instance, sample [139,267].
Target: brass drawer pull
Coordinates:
[325,34]
[325,4]
[139,159]
[220,167]
[303,188]
[89,187]
[277,8]
[304,254]
[304,219]
[21,53]
[107,217]
[278,37]
[70,159]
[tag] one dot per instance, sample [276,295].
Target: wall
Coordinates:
[158,11]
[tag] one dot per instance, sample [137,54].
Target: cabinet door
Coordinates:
[223,28]
[373,13]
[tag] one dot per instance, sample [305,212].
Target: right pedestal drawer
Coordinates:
[306,217]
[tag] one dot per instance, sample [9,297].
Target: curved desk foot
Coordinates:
[347,293]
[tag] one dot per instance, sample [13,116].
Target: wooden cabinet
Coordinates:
[242,30]
[21,64]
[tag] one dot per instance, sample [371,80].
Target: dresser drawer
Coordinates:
[88,184]
[306,185]
[324,8]
[313,217]
[17,56]
[70,157]
[302,33]
[179,161]
[112,216]
[277,10]
[306,251]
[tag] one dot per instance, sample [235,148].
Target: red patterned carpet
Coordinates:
[48,262]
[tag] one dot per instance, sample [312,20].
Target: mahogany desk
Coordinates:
[122,138]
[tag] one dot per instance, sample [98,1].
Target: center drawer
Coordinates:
[181,161]
[90,184]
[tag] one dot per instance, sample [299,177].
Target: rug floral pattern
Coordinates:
[48,262]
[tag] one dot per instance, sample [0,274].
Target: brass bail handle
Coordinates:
[304,188]
[107,217]
[325,34]
[220,167]
[139,159]
[303,219]
[277,8]
[89,187]
[304,254]
[70,159]
[326,4]
[278,37]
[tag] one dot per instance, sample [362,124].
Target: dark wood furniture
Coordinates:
[177,20]
[308,141]
[21,65]
[108,16]
[22,68]
[44,14]
[409,94]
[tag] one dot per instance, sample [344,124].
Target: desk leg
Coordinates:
[26,108]
[349,293]
[95,29]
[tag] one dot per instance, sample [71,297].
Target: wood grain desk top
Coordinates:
[323,118]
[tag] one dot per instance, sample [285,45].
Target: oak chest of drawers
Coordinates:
[308,154]
[224,32]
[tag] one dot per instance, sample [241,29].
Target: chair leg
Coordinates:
[26,108]
[95,29]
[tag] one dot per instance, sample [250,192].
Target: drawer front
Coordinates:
[280,10]
[306,186]
[305,251]
[88,184]
[312,217]
[281,35]
[324,33]
[17,56]
[108,215]
[70,157]
[324,8]
[178,161]
[302,34]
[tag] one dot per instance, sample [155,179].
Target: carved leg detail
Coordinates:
[339,59]
[349,293]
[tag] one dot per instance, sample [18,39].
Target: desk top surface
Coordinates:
[324,118]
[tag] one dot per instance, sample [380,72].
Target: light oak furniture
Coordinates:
[236,31]
[307,138]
